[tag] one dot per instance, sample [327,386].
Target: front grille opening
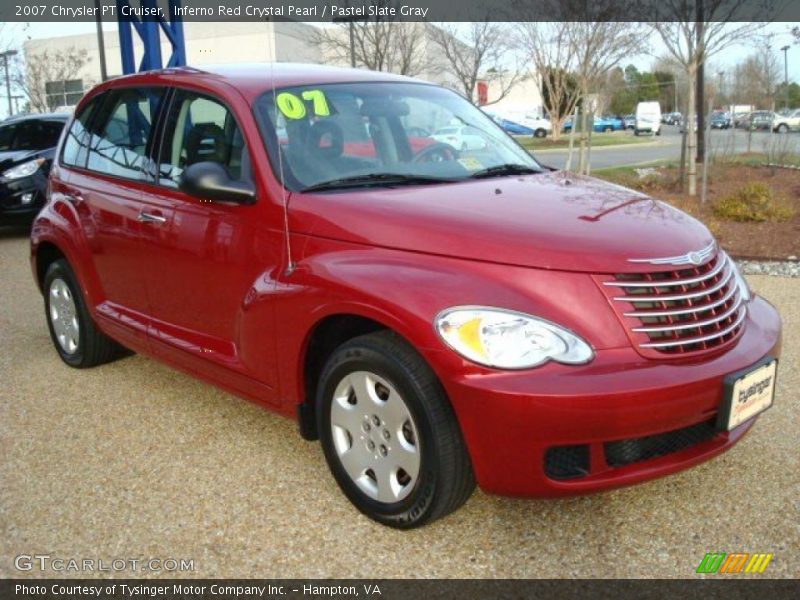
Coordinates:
[626,452]
[567,462]
[662,307]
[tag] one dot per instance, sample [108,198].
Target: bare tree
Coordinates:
[691,39]
[380,44]
[38,69]
[548,46]
[760,75]
[598,47]
[479,51]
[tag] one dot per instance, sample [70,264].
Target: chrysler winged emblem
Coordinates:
[695,257]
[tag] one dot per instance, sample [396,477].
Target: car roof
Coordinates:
[36,117]
[253,79]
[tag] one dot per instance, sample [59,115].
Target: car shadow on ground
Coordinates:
[14,231]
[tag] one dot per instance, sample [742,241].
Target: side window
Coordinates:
[7,136]
[121,132]
[37,135]
[76,144]
[202,130]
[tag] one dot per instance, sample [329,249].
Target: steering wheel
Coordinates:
[438,152]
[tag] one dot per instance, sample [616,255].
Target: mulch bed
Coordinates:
[764,240]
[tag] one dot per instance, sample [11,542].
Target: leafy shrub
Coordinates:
[754,202]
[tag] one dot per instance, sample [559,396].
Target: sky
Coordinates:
[730,57]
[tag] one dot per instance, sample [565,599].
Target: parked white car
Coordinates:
[541,126]
[461,137]
[787,122]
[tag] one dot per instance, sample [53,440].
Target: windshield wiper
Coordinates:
[387,179]
[505,169]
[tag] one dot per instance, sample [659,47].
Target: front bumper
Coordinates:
[512,419]
[14,209]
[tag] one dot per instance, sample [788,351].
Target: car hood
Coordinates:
[552,220]
[9,158]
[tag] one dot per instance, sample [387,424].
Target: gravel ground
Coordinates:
[133,459]
[786,268]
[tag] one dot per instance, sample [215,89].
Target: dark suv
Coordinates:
[27,146]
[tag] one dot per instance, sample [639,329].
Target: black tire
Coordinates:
[783,128]
[606,129]
[540,133]
[445,479]
[636,132]
[93,346]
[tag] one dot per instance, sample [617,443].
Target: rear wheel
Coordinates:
[75,336]
[783,128]
[540,133]
[606,129]
[389,433]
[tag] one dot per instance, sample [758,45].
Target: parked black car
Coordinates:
[27,146]
[720,120]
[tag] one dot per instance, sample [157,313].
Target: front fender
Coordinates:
[404,291]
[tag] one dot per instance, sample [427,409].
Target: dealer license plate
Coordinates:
[747,394]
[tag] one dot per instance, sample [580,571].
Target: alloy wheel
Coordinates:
[375,436]
[63,316]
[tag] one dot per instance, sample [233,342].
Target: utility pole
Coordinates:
[101,47]
[785,50]
[6,55]
[352,44]
[351,26]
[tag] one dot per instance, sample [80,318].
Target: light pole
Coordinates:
[5,55]
[785,50]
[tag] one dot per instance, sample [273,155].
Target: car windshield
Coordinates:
[374,134]
[30,135]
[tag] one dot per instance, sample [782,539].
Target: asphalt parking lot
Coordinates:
[133,459]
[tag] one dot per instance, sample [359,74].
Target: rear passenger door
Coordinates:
[105,183]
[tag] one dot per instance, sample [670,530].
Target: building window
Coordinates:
[63,93]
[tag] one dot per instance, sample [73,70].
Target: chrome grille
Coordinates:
[685,310]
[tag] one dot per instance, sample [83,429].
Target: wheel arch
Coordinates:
[46,254]
[327,334]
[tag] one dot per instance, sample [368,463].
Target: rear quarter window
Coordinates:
[76,142]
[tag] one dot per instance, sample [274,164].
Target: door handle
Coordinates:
[151,218]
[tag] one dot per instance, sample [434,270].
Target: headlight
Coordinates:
[509,340]
[744,289]
[26,169]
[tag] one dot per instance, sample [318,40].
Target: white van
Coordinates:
[648,118]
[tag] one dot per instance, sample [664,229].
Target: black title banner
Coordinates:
[401,10]
[393,589]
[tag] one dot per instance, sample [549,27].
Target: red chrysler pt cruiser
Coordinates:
[375,257]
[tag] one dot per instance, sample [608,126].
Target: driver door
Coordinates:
[214,257]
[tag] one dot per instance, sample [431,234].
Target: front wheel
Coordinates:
[540,133]
[389,433]
[783,128]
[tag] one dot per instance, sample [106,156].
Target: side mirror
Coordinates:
[210,181]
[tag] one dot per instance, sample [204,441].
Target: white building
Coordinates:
[220,43]
[206,43]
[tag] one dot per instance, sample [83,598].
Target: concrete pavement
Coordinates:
[667,146]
